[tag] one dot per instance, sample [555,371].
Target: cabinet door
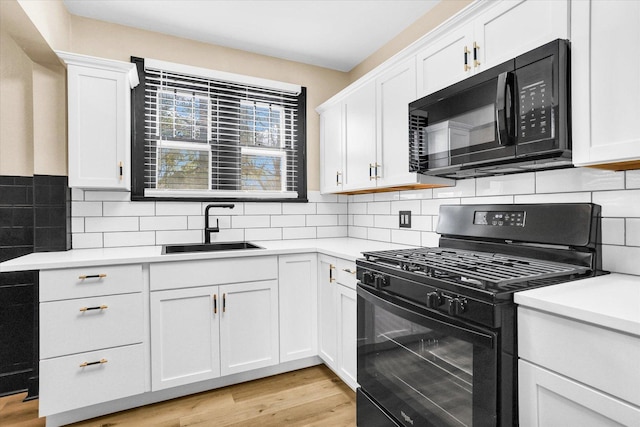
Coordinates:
[442,63]
[327,319]
[360,137]
[605,82]
[347,332]
[298,279]
[184,336]
[513,27]
[547,399]
[248,326]
[99,128]
[396,88]
[331,149]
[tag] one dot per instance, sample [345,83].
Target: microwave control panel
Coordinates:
[536,101]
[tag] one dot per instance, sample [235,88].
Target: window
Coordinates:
[201,134]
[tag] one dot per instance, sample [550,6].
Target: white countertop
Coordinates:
[611,301]
[345,247]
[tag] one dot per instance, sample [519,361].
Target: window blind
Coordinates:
[209,137]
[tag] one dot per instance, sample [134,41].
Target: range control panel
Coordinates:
[500,219]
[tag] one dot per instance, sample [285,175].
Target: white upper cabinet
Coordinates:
[605,80]
[360,138]
[331,146]
[503,31]
[99,121]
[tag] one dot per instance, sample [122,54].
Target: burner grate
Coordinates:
[481,269]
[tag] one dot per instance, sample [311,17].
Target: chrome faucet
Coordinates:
[207,229]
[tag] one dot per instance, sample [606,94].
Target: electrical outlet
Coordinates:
[405,219]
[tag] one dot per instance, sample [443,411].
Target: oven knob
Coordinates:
[381,281]
[367,277]
[457,306]
[433,300]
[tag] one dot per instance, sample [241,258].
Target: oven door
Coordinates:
[423,369]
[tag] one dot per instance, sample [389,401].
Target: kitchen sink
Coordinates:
[208,247]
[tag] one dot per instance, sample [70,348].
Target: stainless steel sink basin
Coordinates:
[208,247]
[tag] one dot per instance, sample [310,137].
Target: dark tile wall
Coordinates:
[34,217]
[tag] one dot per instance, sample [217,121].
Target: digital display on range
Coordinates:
[499,219]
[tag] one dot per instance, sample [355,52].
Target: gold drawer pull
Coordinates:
[92,276]
[348,270]
[99,362]
[100,307]
[331,268]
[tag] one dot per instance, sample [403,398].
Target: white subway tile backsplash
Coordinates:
[343,219]
[163,223]
[77,225]
[142,238]
[288,221]
[422,222]
[426,193]
[523,183]
[386,221]
[381,234]
[227,235]
[361,198]
[106,224]
[316,197]
[430,239]
[618,203]
[578,179]
[633,232]
[633,179]
[506,200]
[613,231]
[197,222]
[128,209]
[263,208]
[358,208]
[77,194]
[271,233]
[554,198]
[432,207]
[332,208]
[86,240]
[178,236]
[386,197]
[328,232]
[621,259]
[358,232]
[299,233]
[179,208]
[363,220]
[379,208]
[299,208]
[251,221]
[238,209]
[463,188]
[406,205]
[322,220]
[86,209]
[405,237]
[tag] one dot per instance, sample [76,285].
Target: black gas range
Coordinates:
[437,341]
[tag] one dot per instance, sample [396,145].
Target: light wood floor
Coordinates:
[308,397]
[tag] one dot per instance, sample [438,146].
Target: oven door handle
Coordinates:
[415,314]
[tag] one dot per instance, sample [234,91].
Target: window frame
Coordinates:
[138,157]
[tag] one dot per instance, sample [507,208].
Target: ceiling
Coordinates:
[336,34]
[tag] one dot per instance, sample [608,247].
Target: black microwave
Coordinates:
[514,117]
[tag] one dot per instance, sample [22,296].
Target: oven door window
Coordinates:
[422,370]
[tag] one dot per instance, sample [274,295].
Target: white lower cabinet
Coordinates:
[92,342]
[185,336]
[206,332]
[337,327]
[547,399]
[297,292]
[572,373]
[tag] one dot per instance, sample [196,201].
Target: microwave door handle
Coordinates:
[505,105]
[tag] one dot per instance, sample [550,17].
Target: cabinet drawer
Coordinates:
[175,275]
[346,273]
[89,281]
[78,325]
[65,385]
[595,356]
